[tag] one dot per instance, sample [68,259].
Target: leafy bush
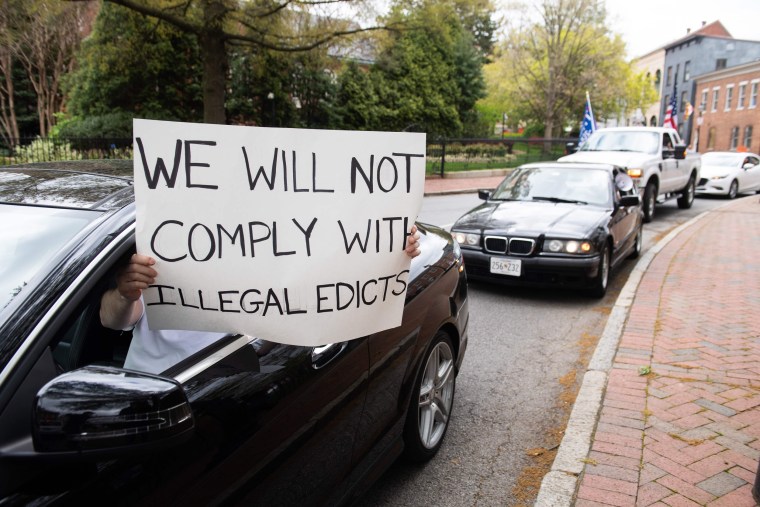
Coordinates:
[111,125]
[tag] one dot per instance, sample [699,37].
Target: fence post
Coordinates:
[443,155]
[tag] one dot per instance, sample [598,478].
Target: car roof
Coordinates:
[573,165]
[85,184]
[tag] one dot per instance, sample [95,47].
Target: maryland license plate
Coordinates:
[504,266]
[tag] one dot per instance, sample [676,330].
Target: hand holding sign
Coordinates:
[273,231]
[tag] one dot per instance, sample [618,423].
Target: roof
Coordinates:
[714,29]
[101,185]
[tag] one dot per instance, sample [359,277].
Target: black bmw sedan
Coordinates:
[553,224]
[241,422]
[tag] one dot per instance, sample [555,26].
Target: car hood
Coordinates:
[623,159]
[533,218]
[709,171]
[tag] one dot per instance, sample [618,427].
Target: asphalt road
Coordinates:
[527,354]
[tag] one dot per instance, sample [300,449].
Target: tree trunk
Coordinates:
[214,77]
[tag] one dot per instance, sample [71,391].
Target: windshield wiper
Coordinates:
[557,199]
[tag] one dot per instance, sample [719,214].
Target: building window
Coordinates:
[753,95]
[669,76]
[720,63]
[684,100]
[729,96]
[657,79]
[742,95]
[734,138]
[703,101]
[715,100]
[686,71]
[653,121]
[748,136]
[711,138]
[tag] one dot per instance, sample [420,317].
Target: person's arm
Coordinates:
[121,307]
[413,243]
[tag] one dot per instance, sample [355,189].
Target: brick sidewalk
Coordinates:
[687,433]
[436,185]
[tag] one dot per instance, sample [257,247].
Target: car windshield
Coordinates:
[564,184]
[722,159]
[623,140]
[29,237]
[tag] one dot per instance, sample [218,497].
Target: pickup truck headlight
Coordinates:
[467,239]
[635,172]
[568,246]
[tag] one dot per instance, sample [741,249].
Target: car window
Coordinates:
[32,236]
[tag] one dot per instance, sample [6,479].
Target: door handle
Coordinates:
[322,356]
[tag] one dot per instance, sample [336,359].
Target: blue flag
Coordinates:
[588,125]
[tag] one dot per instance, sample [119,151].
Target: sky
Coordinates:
[646,25]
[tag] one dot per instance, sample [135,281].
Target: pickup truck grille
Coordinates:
[512,246]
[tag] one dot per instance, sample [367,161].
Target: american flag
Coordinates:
[671,114]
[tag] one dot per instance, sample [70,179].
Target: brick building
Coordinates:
[727,109]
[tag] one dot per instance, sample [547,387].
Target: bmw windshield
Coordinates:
[558,185]
[29,237]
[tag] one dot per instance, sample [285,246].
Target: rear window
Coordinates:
[29,237]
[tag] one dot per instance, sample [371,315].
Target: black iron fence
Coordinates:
[37,149]
[443,155]
[450,155]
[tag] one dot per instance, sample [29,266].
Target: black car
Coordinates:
[553,224]
[242,422]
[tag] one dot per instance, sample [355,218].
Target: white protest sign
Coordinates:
[295,236]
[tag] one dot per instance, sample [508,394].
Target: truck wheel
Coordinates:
[650,197]
[687,194]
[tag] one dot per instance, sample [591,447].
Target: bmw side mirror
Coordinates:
[630,200]
[484,194]
[103,411]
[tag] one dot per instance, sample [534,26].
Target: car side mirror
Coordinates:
[484,194]
[571,147]
[104,411]
[630,200]
[680,151]
[748,165]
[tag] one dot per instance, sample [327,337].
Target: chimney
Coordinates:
[704,23]
[688,31]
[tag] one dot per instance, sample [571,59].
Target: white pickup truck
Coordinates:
[655,157]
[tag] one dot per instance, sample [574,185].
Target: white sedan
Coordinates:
[729,173]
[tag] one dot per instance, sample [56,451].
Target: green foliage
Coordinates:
[110,125]
[427,77]
[134,65]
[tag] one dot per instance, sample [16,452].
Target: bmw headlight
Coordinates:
[568,246]
[467,239]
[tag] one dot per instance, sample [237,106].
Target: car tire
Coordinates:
[733,190]
[687,194]
[432,400]
[599,285]
[650,198]
[638,244]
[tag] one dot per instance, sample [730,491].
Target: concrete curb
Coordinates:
[559,485]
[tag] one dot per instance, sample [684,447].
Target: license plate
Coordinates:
[504,266]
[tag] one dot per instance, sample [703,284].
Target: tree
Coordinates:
[427,77]
[42,36]
[546,66]
[277,25]
[132,65]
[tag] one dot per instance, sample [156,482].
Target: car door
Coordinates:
[624,220]
[751,175]
[670,175]
[273,424]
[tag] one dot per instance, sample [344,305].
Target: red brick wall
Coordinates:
[715,133]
